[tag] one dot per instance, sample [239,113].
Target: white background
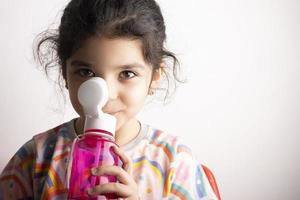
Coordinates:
[239,110]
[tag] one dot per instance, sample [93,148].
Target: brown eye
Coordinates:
[86,73]
[127,75]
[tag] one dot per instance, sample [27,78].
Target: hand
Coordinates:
[126,187]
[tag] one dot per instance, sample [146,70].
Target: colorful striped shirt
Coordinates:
[163,168]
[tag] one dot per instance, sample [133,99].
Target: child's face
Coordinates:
[121,64]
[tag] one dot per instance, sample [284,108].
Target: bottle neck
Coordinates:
[103,123]
[100,133]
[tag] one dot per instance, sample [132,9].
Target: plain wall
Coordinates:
[239,110]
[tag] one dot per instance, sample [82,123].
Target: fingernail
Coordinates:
[91,191]
[94,171]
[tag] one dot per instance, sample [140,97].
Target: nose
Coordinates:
[112,89]
[112,96]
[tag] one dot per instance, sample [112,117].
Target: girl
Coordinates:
[122,42]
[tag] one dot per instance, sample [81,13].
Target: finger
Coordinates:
[119,189]
[116,171]
[124,158]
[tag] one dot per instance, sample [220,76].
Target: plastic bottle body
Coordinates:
[90,151]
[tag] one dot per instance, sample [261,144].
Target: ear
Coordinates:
[156,76]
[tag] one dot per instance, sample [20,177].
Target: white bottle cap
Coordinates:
[93,95]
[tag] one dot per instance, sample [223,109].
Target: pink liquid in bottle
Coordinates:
[90,151]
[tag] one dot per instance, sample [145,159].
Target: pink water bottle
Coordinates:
[94,147]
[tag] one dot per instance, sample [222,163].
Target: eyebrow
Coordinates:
[78,63]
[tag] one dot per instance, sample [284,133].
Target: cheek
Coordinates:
[134,97]
[74,100]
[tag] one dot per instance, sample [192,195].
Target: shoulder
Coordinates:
[28,151]
[171,144]
[53,142]
[23,157]
[187,176]
[51,136]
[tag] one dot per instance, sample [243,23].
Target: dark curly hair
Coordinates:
[134,19]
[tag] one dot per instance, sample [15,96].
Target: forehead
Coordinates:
[106,51]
